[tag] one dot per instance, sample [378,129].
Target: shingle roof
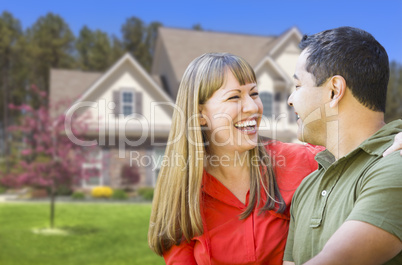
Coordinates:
[69,84]
[184,45]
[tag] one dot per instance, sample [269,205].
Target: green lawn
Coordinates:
[111,234]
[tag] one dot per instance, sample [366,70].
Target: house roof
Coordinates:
[294,31]
[126,58]
[69,84]
[183,45]
[75,85]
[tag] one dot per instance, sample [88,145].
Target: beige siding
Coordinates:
[288,58]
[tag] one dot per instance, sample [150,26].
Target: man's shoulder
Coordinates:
[389,167]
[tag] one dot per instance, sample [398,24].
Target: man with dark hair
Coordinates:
[349,211]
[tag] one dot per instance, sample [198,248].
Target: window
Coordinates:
[266,99]
[127,103]
[127,97]
[92,169]
[127,110]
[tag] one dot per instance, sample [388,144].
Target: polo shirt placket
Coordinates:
[328,182]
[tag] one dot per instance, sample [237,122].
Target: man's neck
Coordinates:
[349,131]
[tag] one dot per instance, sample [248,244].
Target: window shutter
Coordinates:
[138,102]
[116,100]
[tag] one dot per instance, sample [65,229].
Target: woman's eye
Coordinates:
[234,97]
[254,94]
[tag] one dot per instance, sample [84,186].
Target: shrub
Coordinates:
[147,193]
[130,175]
[63,190]
[102,192]
[119,195]
[2,189]
[78,195]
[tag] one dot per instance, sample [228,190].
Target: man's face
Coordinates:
[309,102]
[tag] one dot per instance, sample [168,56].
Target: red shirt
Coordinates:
[258,239]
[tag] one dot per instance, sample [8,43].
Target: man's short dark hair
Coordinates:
[355,55]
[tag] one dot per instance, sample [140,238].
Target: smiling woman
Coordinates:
[221,202]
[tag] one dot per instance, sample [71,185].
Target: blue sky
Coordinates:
[382,18]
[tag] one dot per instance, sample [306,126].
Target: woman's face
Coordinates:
[231,117]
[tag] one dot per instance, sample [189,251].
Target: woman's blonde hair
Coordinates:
[176,212]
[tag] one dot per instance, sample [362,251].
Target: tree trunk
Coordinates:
[52,204]
[5,120]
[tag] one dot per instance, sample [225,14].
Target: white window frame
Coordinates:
[96,163]
[128,104]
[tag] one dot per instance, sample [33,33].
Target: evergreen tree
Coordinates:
[101,51]
[51,46]
[197,27]
[83,46]
[394,94]
[117,49]
[94,50]
[139,40]
[11,70]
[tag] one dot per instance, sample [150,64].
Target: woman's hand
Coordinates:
[397,145]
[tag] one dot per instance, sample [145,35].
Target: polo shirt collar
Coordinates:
[381,140]
[375,145]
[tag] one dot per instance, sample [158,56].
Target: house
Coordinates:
[130,110]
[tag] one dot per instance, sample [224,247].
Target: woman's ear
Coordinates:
[338,88]
[203,121]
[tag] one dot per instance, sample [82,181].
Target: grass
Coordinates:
[112,234]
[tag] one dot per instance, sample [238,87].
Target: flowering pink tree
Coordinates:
[48,158]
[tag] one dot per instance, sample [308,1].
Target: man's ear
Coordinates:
[203,121]
[337,88]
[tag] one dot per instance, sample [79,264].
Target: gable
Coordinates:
[271,77]
[288,57]
[125,77]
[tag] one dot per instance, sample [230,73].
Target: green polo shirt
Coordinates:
[362,186]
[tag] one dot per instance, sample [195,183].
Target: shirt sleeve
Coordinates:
[380,195]
[182,254]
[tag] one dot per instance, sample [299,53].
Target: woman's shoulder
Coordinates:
[292,160]
[292,148]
